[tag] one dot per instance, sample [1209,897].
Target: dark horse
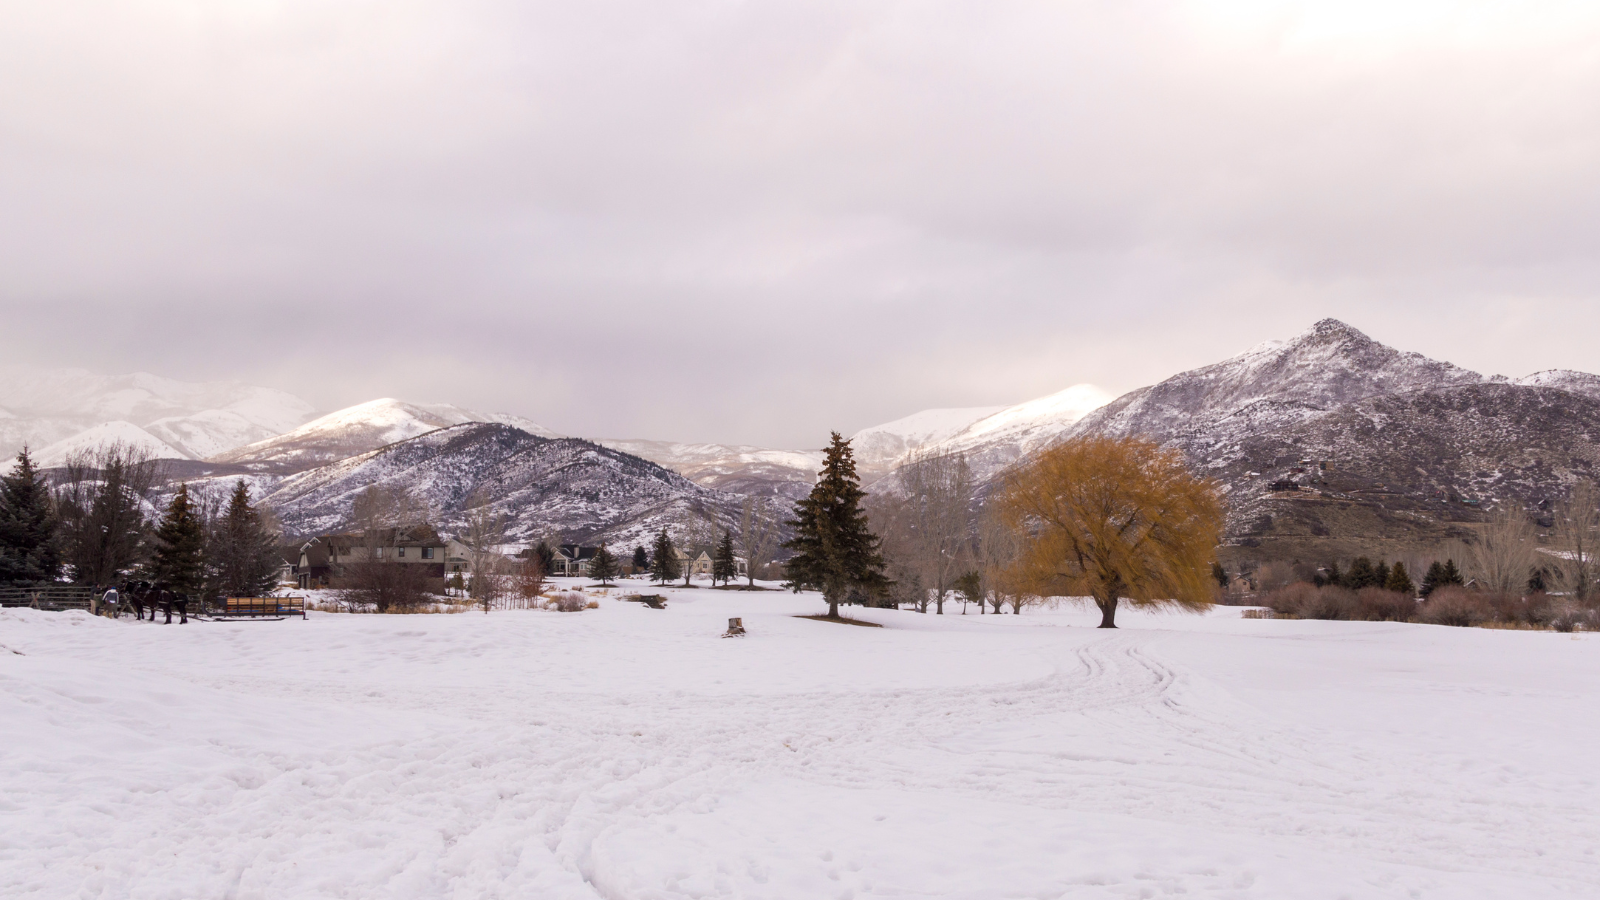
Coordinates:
[146,596]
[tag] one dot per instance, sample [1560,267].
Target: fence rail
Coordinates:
[56,598]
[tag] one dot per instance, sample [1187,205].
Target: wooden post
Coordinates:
[735,628]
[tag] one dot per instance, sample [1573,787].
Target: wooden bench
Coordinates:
[257,607]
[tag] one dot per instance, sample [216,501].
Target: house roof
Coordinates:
[422,535]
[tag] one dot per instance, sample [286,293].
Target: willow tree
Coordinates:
[1114,519]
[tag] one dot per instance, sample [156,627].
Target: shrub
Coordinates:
[569,601]
[1455,606]
[1380,605]
[1289,600]
[1332,603]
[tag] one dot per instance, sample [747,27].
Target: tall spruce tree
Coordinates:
[1380,574]
[1361,574]
[723,564]
[1220,574]
[641,559]
[1400,581]
[179,562]
[1433,578]
[243,549]
[28,548]
[663,559]
[546,556]
[1452,575]
[834,550]
[603,565]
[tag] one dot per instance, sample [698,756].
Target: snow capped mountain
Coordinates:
[1564,379]
[357,429]
[1324,366]
[563,487]
[183,419]
[734,468]
[119,432]
[881,447]
[758,471]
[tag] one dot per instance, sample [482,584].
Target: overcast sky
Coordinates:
[755,222]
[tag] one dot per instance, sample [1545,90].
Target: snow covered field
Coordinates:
[625,752]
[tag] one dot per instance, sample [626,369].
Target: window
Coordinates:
[427,553]
[379,552]
[401,553]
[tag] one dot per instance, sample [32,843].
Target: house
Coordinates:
[322,559]
[572,560]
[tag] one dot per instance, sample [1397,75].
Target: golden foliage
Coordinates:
[1113,519]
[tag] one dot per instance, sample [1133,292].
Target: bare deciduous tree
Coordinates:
[758,535]
[485,532]
[932,520]
[1504,552]
[103,498]
[997,550]
[1577,539]
[370,578]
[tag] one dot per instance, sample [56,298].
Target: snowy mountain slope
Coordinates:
[1563,379]
[1408,469]
[125,433]
[543,486]
[356,429]
[52,405]
[881,447]
[736,469]
[743,469]
[1328,364]
[997,440]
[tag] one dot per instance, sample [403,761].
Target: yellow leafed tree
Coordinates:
[1113,519]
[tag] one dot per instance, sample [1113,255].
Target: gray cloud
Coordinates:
[756,222]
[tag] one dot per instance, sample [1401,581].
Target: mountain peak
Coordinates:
[1328,364]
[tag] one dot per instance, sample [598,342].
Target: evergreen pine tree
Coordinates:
[1220,574]
[1399,581]
[1335,578]
[243,550]
[834,551]
[1360,575]
[179,561]
[546,556]
[970,587]
[723,565]
[1380,574]
[663,559]
[28,548]
[1433,578]
[1452,575]
[641,560]
[603,566]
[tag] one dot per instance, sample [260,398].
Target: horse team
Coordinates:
[144,596]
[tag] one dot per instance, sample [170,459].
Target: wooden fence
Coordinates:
[54,597]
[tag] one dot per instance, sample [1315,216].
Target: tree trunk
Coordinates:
[833,608]
[1108,612]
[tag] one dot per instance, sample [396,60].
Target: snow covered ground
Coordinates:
[625,752]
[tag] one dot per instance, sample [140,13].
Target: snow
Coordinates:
[52,405]
[1053,414]
[361,429]
[125,433]
[884,446]
[628,752]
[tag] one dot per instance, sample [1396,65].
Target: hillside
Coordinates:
[1390,451]
[44,407]
[354,430]
[563,488]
